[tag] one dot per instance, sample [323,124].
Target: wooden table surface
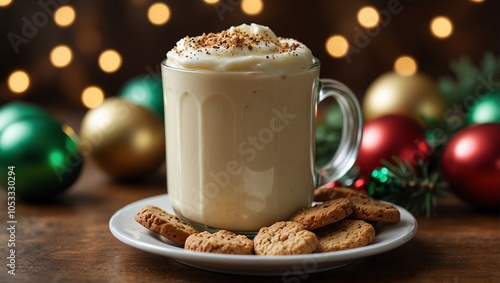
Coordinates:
[68,240]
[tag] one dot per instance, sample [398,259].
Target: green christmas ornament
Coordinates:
[147,91]
[42,153]
[16,111]
[485,110]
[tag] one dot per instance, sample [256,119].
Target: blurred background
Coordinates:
[425,73]
[76,53]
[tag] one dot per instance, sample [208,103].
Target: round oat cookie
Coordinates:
[221,242]
[346,234]
[284,238]
[323,214]
[164,223]
[325,193]
[374,210]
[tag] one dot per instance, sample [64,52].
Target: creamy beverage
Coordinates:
[240,127]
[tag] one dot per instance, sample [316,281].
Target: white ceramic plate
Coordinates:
[126,229]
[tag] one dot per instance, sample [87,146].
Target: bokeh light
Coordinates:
[18,81]
[68,130]
[441,27]
[252,7]
[61,56]
[405,66]
[159,13]
[477,1]
[110,61]
[5,3]
[368,17]
[64,16]
[211,1]
[337,46]
[92,96]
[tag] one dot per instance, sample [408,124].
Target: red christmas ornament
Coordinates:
[471,165]
[387,136]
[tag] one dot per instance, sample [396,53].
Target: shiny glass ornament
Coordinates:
[44,154]
[416,97]
[387,136]
[485,110]
[145,90]
[124,139]
[471,165]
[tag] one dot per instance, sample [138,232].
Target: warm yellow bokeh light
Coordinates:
[68,130]
[61,56]
[368,17]
[110,61]
[64,16]
[441,27]
[18,81]
[211,1]
[405,66]
[477,1]
[252,7]
[337,46]
[92,96]
[5,3]
[158,13]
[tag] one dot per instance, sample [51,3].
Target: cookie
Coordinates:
[323,214]
[221,242]
[284,238]
[346,234]
[325,193]
[164,223]
[374,210]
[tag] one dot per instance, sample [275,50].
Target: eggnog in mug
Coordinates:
[240,128]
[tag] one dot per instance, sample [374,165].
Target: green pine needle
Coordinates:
[469,79]
[412,187]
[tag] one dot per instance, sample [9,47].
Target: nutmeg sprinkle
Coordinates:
[242,48]
[234,39]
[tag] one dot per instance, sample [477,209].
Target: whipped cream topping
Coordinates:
[241,48]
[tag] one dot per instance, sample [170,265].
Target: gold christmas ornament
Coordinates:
[124,139]
[413,96]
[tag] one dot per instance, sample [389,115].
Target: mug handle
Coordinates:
[352,130]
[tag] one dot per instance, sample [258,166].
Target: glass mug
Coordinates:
[240,145]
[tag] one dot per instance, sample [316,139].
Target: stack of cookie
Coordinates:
[342,220]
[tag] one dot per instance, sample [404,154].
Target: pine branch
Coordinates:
[468,80]
[415,188]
